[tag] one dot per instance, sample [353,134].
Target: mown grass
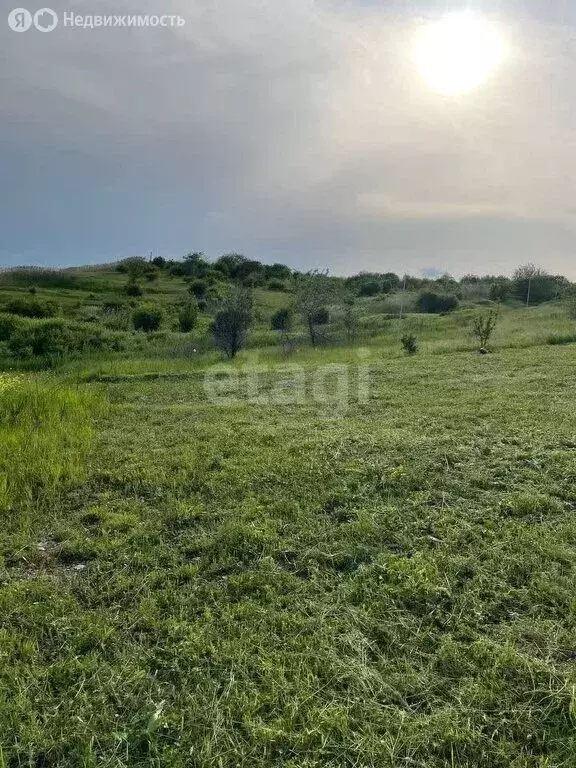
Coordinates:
[388,583]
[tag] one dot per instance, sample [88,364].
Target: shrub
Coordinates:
[436,303]
[32,308]
[232,322]
[147,319]
[321,316]
[133,289]
[55,339]
[369,288]
[483,328]
[282,320]
[188,317]
[198,288]
[500,291]
[8,326]
[409,344]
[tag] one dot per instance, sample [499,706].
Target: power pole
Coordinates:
[529,287]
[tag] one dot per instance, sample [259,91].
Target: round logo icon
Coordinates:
[19,20]
[45,20]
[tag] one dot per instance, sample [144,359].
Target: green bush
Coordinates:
[282,320]
[147,319]
[321,316]
[133,289]
[56,339]
[369,288]
[32,308]
[409,344]
[188,317]
[436,303]
[198,288]
[8,326]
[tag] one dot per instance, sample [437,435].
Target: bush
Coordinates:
[8,326]
[32,308]
[436,303]
[282,320]
[198,288]
[188,317]
[321,316]
[147,319]
[133,289]
[56,339]
[483,328]
[232,322]
[409,344]
[369,288]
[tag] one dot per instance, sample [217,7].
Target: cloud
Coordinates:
[298,131]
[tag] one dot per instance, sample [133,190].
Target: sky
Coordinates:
[298,132]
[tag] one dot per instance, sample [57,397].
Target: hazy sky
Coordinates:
[288,130]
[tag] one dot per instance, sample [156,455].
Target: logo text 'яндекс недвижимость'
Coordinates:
[46,20]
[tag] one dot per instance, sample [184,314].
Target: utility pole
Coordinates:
[529,287]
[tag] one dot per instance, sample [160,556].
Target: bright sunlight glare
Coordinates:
[458,53]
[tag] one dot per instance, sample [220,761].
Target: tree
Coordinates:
[277,271]
[134,267]
[484,326]
[435,303]
[369,288]
[233,321]
[230,264]
[500,290]
[533,285]
[313,291]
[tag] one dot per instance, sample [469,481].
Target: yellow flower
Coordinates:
[8,381]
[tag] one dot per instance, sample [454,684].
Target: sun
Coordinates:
[458,53]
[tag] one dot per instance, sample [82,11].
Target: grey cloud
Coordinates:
[296,131]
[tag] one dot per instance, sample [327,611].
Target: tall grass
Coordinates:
[44,435]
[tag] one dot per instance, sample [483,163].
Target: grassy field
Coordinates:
[341,556]
[305,574]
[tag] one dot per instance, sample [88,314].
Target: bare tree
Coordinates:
[483,328]
[314,291]
[233,320]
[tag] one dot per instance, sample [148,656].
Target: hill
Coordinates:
[340,555]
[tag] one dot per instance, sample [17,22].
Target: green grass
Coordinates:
[45,430]
[385,584]
[334,557]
